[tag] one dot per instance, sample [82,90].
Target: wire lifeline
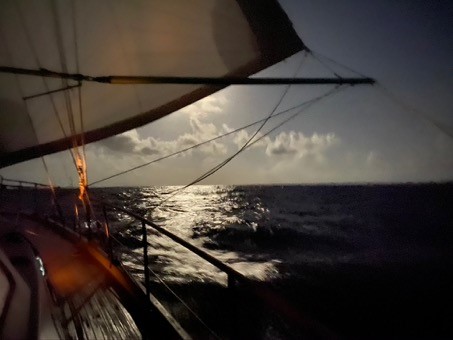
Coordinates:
[137,257]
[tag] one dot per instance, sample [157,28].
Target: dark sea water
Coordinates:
[363,260]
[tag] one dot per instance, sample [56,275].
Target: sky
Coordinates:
[359,135]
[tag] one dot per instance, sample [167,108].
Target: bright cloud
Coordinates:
[295,143]
[131,143]
[208,105]
[291,143]
[243,137]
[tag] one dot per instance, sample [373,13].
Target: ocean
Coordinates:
[355,261]
[363,260]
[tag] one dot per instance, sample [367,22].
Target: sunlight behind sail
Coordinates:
[204,38]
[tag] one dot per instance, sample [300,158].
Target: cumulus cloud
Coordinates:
[243,137]
[291,143]
[131,143]
[208,105]
[126,142]
[295,143]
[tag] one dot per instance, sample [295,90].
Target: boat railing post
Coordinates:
[107,233]
[21,197]
[35,196]
[1,190]
[145,259]
[58,208]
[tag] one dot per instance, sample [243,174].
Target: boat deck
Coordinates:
[83,303]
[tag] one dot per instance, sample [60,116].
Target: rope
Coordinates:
[412,110]
[80,160]
[226,161]
[218,167]
[320,61]
[196,145]
[21,91]
[318,56]
[398,101]
[38,63]
[263,122]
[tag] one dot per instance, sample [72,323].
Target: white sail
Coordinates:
[202,38]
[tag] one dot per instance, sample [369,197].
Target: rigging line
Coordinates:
[21,91]
[38,63]
[81,168]
[75,37]
[184,304]
[64,67]
[120,37]
[175,192]
[324,64]
[320,55]
[226,161]
[335,90]
[408,108]
[196,145]
[84,173]
[77,66]
[52,91]
[270,131]
[263,122]
[282,97]
[80,165]
[137,257]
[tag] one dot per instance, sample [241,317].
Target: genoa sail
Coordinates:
[201,38]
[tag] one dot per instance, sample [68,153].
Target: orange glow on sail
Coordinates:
[82,172]
[107,233]
[81,166]
[76,212]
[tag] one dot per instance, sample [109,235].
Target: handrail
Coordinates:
[34,186]
[279,304]
[3,179]
[203,254]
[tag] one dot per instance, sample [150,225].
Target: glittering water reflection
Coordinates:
[271,232]
[199,214]
[252,229]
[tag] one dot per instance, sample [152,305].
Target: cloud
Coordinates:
[131,143]
[291,143]
[125,143]
[296,144]
[243,137]
[208,105]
